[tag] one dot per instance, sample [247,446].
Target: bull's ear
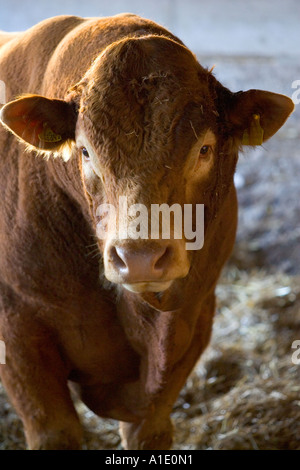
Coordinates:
[256,115]
[41,122]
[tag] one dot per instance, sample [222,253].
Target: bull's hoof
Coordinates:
[146,436]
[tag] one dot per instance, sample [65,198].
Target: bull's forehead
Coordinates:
[140,92]
[144,106]
[135,58]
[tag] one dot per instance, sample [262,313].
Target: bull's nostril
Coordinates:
[116,259]
[164,259]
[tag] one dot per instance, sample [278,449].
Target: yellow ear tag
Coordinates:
[48,135]
[255,134]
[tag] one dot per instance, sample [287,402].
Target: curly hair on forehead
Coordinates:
[137,89]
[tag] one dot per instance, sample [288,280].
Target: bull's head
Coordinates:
[149,126]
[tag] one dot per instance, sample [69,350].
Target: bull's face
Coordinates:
[147,132]
[155,136]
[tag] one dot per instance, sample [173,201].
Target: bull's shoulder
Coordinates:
[6,37]
[24,56]
[42,36]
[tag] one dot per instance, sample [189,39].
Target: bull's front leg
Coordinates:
[35,378]
[155,431]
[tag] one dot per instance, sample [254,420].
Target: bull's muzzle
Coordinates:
[145,266]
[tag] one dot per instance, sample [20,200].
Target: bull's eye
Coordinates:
[85,154]
[204,150]
[204,156]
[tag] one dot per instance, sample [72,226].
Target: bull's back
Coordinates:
[6,37]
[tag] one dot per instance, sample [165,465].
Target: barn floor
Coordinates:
[243,394]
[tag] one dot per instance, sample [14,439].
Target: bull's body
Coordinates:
[127,358]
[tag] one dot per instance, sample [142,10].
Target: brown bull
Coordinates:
[114,108]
